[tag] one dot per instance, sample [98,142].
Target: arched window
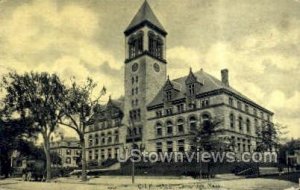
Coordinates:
[109,140]
[248,125]
[240,123]
[103,140]
[131,45]
[192,123]
[169,127]
[206,120]
[180,126]
[152,43]
[158,129]
[159,48]
[232,121]
[96,139]
[139,43]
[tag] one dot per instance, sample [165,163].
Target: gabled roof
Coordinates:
[145,15]
[209,83]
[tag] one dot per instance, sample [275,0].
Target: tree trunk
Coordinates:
[83,159]
[48,158]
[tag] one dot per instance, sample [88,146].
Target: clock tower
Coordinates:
[145,70]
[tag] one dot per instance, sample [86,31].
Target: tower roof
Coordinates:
[145,15]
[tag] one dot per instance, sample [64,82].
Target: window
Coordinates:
[169,128]
[135,44]
[159,147]
[102,154]
[116,152]
[109,140]
[96,139]
[158,113]
[254,111]
[136,79]
[169,146]
[68,160]
[240,123]
[90,140]
[230,101]
[239,105]
[248,125]
[90,155]
[232,123]
[109,153]
[205,103]
[136,90]
[169,95]
[256,123]
[180,108]
[169,111]
[116,138]
[193,123]
[103,140]
[262,115]
[206,121]
[132,91]
[246,108]
[180,126]
[191,88]
[136,102]
[68,151]
[158,129]
[132,80]
[96,155]
[180,145]
[159,48]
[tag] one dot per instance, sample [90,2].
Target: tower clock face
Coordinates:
[134,67]
[156,67]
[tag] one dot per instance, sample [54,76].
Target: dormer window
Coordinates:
[191,89]
[169,95]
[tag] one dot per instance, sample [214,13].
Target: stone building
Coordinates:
[157,113]
[69,150]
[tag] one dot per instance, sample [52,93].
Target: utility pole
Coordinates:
[133,146]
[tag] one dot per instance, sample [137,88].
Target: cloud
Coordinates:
[45,36]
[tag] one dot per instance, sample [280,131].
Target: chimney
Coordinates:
[224,74]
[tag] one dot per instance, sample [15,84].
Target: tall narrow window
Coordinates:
[191,89]
[180,126]
[240,123]
[248,125]
[158,129]
[193,123]
[169,95]
[232,124]
[169,128]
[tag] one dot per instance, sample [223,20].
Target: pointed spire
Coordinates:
[145,15]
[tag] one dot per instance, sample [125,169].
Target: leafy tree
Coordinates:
[36,96]
[79,108]
[15,134]
[207,137]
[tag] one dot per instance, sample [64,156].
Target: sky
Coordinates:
[257,40]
